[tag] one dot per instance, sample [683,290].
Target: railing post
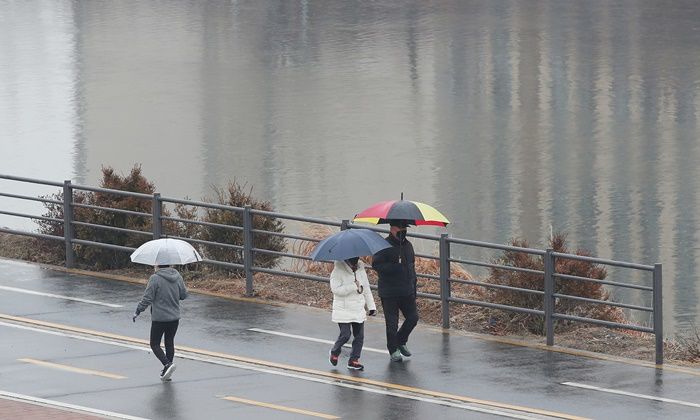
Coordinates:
[247,249]
[68,223]
[549,295]
[157,209]
[445,279]
[344,224]
[658,315]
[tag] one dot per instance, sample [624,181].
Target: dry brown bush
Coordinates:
[93,256]
[535,323]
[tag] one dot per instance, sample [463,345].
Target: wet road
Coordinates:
[69,338]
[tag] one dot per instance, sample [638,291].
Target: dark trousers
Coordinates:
[358,331]
[158,329]
[396,336]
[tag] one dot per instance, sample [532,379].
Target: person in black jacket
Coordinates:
[397,289]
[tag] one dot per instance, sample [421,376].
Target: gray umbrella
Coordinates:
[349,243]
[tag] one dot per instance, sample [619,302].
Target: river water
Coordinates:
[513,118]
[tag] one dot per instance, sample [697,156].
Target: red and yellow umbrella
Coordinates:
[410,211]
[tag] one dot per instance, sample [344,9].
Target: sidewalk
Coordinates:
[237,359]
[12,409]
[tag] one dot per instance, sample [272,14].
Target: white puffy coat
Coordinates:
[348,305]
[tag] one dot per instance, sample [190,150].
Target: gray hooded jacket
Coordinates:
[164,291]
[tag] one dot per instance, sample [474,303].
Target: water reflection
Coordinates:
[512,118]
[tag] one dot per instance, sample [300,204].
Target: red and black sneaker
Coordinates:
[333,359]
[355,364]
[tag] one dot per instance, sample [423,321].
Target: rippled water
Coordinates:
[513,118]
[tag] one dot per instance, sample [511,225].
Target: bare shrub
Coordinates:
[93,256]
[183,229]
[685,346]
[238,195]
[532,281]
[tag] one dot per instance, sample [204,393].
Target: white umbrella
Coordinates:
[165,251]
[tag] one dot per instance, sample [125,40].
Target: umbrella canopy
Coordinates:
[165,251]
[410,211]
[349,243]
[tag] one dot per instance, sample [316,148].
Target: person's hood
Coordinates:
[169,274]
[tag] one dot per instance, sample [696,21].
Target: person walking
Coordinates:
[164,291]
[397,286]
[352,296]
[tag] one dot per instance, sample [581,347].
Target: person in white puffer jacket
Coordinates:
[352,297]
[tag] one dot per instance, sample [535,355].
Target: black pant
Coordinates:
[158,329]
[396,336]
[358,330]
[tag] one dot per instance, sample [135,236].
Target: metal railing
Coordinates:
[446,257]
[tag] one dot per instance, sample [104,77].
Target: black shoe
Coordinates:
[167,371]
[404,351]
[355,364]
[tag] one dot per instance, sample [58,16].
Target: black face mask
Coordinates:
[401,235]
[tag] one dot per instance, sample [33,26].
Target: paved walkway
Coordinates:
[69,339]
[12,409]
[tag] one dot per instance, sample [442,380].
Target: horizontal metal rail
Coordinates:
[603,261]
[428,276]
[426,256]
[193,203]
[497,286]
[203,242]
[112,228]
[103,245]
[32,234]
[603,302]
[112,210]
[496,306]
[497,266]
[25,197]
[292,274]
[296,218]
[111,191]
[280,254]
[31,181]
[30,216]
[223,264]
[495,246]
[197,222]
[604,323]
[285,235]
[428,296]
[610,283]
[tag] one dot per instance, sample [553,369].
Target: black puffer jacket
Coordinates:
[396,279]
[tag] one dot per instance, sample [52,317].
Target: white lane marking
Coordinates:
[316,340]
[71,407]
[184,355]
[631,394]
[32,292]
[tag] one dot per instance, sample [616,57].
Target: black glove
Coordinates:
[135,315]
[372,312]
